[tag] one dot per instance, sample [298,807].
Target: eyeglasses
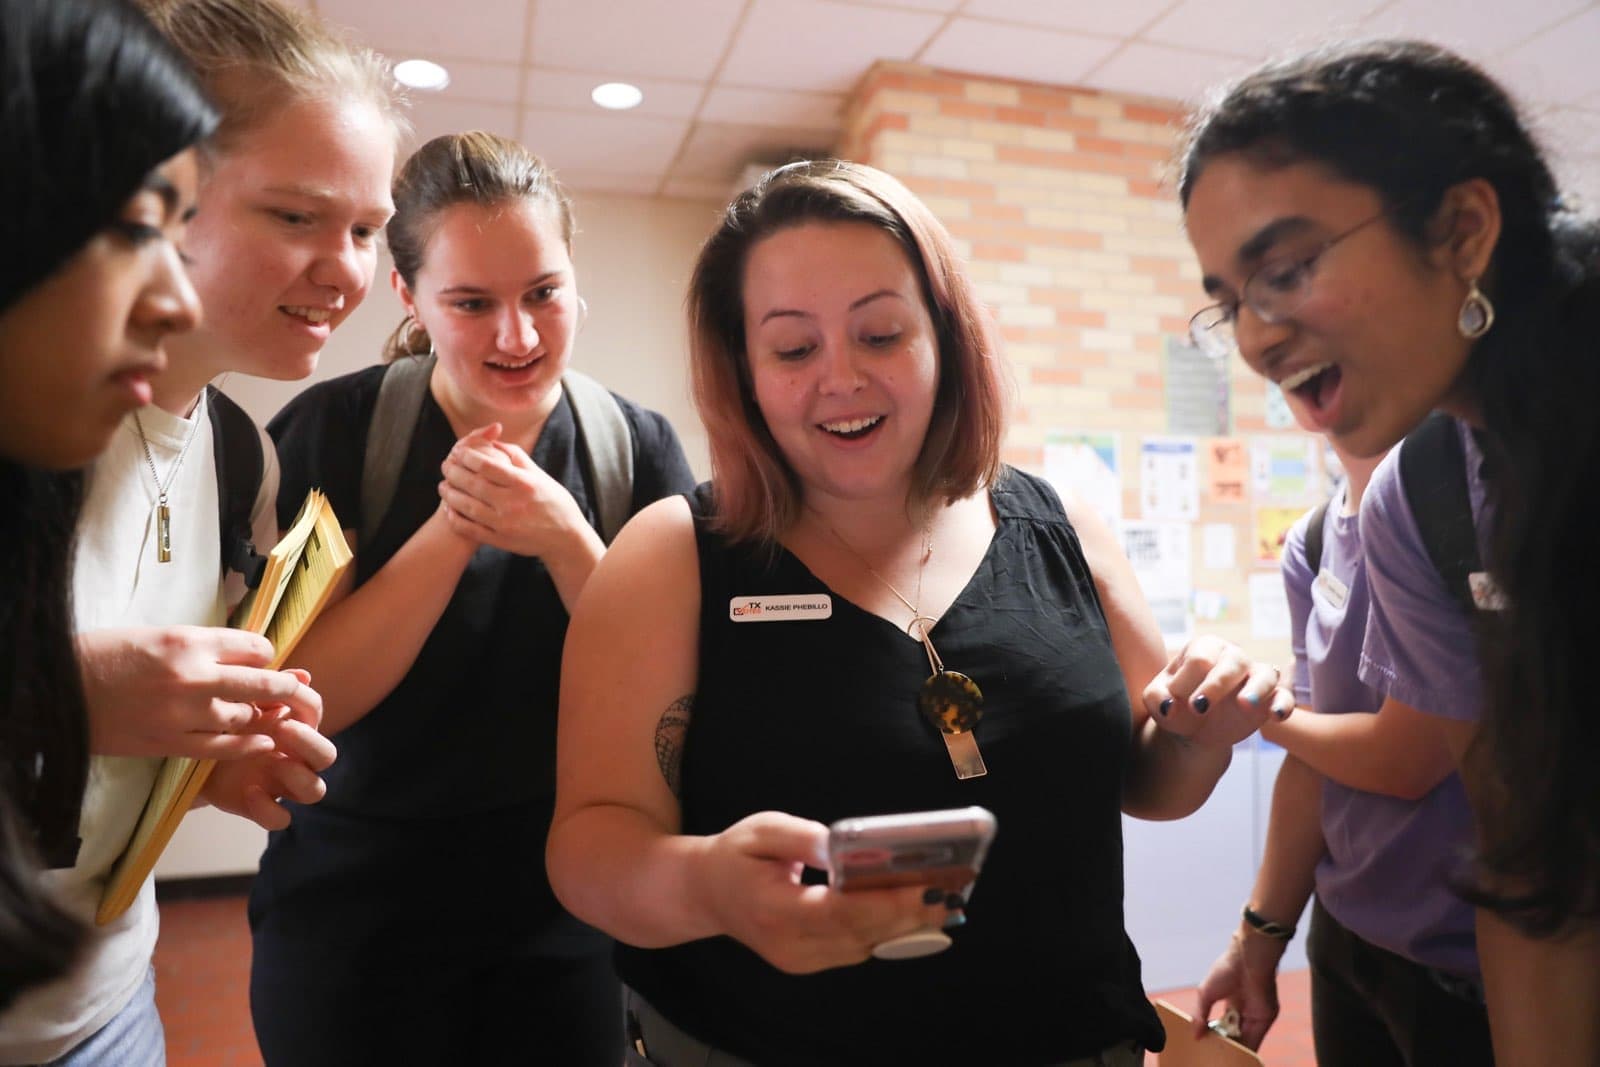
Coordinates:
[1273,292]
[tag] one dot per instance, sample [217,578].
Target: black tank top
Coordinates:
[819,719]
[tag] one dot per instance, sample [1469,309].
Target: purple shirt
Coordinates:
[1420,647]
[1389,863]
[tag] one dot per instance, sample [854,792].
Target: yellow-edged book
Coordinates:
[300,574]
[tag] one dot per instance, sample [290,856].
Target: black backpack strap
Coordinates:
[1314,537]
[236,445]
[394,423]
[1433,471]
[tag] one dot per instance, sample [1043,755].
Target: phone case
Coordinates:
[939,848]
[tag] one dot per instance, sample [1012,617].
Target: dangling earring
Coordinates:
[583,313]
[1476,314]
[408,337]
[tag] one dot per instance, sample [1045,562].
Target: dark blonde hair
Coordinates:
[255,56]
[460,168]
[757,492]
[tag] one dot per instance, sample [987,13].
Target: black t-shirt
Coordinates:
[471,727]
[819,719]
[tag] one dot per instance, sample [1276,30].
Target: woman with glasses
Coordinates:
[860,540]
[1367,809]
[1383,238]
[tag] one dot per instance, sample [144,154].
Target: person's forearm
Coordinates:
[571,565]
[1294,844]
[1347,749]
[617,870]
[1169,777]
[1543,994]
[363,645]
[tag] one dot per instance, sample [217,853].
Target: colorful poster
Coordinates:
[1272,529]
[1169,479]
[1161,556]
[1284,469]
[1085,465]
[1227,470]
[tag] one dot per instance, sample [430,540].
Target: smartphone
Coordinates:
[938,848]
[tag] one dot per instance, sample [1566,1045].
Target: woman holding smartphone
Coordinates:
[781,625]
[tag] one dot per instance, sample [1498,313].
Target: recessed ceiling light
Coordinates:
[421,74]
[618,96]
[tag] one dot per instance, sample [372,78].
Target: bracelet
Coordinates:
[1266,927]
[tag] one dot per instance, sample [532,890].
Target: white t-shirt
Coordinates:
[117,582]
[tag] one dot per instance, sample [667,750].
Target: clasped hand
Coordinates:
[496,495]
[749,878]
[1211,693]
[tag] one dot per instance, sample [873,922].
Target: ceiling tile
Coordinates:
[1570,132]
[553,90]
[425,29]
[496,83]
[1005,51]
[640,38]
[772,107]
[598,181]
[1475,30]
[719,152]
[1171,73]
[1258,27]
[1121,19]
[605,142]
[1557,66]
[820,45]
[433,116]
[698,189]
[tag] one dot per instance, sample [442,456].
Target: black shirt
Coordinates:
[471,727]
[819,719]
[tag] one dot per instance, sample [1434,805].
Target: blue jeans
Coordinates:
[133,1038]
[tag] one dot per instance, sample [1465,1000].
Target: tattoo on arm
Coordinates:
[671,730]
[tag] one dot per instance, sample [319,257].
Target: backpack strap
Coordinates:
[1433,471]
[240,463]
[608,447]
[394,423]
[1314,537]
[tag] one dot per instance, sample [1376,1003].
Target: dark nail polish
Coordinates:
[1166,705]
[956,919]
[1202,704]
[932,895]
[955,902]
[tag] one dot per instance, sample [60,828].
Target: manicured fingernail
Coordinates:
[956,919]
[1252,696]
[955,902]
[1202,704]
[932,895]
[1166,705]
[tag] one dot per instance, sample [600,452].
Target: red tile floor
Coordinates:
[203,980]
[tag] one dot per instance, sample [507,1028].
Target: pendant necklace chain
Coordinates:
[920,624]
[163,512]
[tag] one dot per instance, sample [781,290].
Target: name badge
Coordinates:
[1332,588]
[1485,593]
[793,607]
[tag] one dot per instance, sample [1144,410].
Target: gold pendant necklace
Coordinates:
[948,699]
[163,510]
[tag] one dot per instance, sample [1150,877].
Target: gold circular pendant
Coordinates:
[951,701]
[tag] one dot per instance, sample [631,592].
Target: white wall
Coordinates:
[633,256]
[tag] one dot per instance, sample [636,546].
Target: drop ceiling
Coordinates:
[730,82]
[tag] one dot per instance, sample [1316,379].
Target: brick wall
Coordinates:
[1061,201]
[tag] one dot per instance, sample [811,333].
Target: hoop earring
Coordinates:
[1476,315]
[408,336]
[583,313]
